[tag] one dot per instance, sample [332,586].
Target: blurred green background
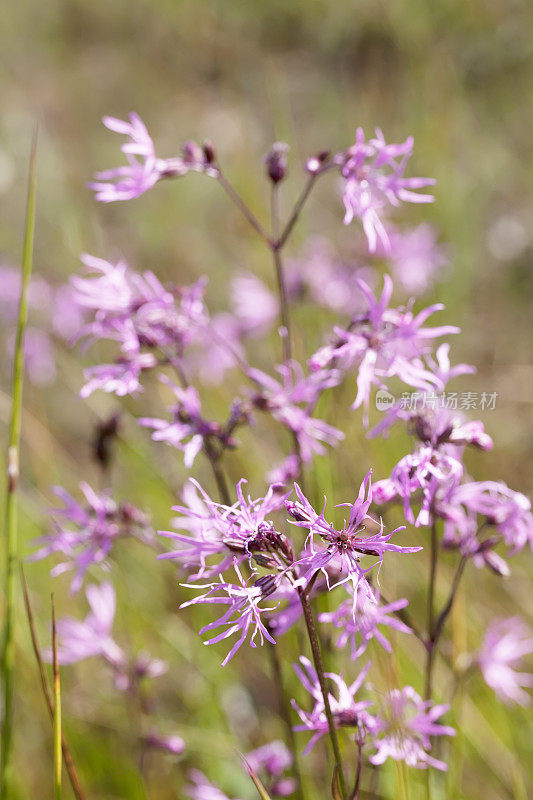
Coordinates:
[456,75]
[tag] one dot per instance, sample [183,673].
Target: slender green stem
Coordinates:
[284,708]
[280,276]
[434,554]
[293,219]
[213,455]
[317,658]
[218,471]
[243,208]
[355,791]
[443,616]
[69,763]
[432,576]
[58,760]
[284,307]
[6,789]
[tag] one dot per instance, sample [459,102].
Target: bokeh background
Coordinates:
[456,75]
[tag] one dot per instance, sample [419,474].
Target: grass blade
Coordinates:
[69,763]
[263,794]
[12,482]
[58,761]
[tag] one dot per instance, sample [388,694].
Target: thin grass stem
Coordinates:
[58,760]
[69,763]
[8,654]
[319,666]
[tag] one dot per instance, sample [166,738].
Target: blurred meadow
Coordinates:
[458,76]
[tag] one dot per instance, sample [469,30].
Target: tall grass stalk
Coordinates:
[58,761]
[47,692]
[12,484]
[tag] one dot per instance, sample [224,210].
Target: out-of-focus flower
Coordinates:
[40,293]
[415,257]
[291,402]
[329,280]
[428,416]
[357,630]
[218,348]
[85,534]
[202,789]
[273,759]
[254,305]
[39,358]
[168,743]
[499,507]
[505,644]
[92,637]
[424,472]
[287,472]
[441,366]
[243,613]
[437,426]
[122,378]
[139,668]
[382,343]
[345,709]
[150,323]
[348,544]
[187,423]
[68,317]
[43,303]
[374,173]
[506,510]
[404,727]
[144,168]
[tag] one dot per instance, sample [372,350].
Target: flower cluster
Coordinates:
[144,169]
[85,534]
[53,316]
[291,403]
[266,559]
[374,177]
[359,628]
[384,342]
[400,729]
[151,324]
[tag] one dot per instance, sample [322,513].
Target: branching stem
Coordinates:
[319,666]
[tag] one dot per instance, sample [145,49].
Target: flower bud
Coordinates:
[192,153]
[209,152]
[105,433]
[276,161]
[314,163]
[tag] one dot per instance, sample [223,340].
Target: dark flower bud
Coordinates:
[286,547]
[266,561]
[297,511]
[132,514]
[105,433]
[261,402]
[209,152]
[267,583]
[235,545]
[314,163]
[192,153]
[276,161]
